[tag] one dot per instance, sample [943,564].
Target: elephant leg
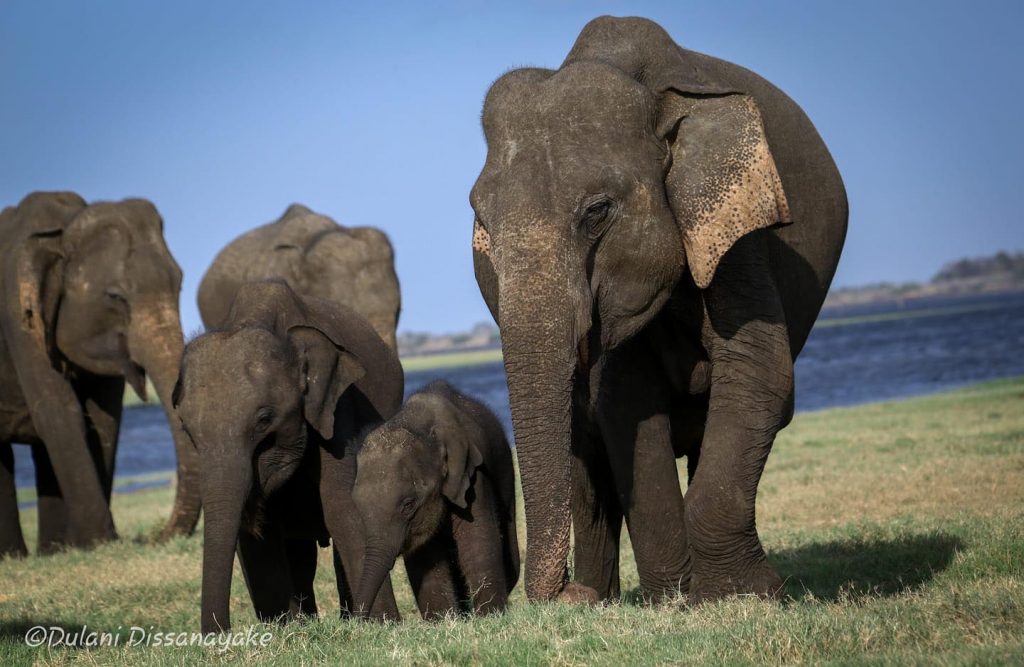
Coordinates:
[751,385]
[480,552]
[432,579]
[633,413]
[265,566]
[12,542]
[302,557]
[337,477]
[343,584]
[51,509]
[596,515]
[103,403]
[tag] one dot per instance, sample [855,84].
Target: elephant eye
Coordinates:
[264,418]
[407,506]
[595,213]
[116,296]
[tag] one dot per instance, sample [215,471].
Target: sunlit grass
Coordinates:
[450,360]
[899,528]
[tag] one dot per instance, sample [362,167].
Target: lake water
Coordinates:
[931,346]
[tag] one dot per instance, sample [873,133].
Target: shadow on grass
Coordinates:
[859,567]
[856,567]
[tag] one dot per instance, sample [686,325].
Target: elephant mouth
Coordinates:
[254,513]
[135,375]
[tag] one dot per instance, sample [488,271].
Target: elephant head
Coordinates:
[607,182]
[98,291]
[247,396]
[353,266]
[409,470]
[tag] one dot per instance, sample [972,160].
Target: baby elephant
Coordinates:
[274,402]
[435,484]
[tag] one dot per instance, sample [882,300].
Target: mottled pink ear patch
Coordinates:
[723,183]
[481,239]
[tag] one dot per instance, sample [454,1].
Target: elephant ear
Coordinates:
[722,182]
[43,217]
[457,434]
[328,370]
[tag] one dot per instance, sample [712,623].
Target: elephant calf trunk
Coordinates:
[377,565]
[225,488]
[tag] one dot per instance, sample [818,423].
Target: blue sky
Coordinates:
[223,113]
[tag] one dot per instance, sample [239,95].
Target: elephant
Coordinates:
[88,300]
[354,266]
[655,231]
[435,483]
[273,401]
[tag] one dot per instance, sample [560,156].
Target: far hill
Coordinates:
[995,274]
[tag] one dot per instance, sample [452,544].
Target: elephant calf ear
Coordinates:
[329,370]
[722,182]
[463,458]
[457,434]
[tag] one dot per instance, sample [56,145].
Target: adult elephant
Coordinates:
[353,266]
[655,232]
[88,300]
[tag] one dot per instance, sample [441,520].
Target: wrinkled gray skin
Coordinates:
[436,485]
[88,299]
[655,233]
[353,266]
[273,401]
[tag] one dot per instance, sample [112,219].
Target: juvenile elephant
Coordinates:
[435,483]
[655,232]
[88,299]
[353,266]
[273,401]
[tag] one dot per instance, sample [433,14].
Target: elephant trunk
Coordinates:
[542,323]
[378,561]
[156,342]
[225,486]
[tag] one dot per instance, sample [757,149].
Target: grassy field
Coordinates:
[450,360]
[899,528]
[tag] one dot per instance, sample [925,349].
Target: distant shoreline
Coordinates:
[462,359]
[832,316]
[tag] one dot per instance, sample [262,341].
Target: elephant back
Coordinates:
[317,257]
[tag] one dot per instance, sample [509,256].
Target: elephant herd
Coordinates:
[655,231]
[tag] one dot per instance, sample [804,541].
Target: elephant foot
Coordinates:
[79,542]
[760,580]
[575,593]
[180,524]
[15,551]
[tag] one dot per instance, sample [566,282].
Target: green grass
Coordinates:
[29,492]
[899,528]
[450,360]
[131,399]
